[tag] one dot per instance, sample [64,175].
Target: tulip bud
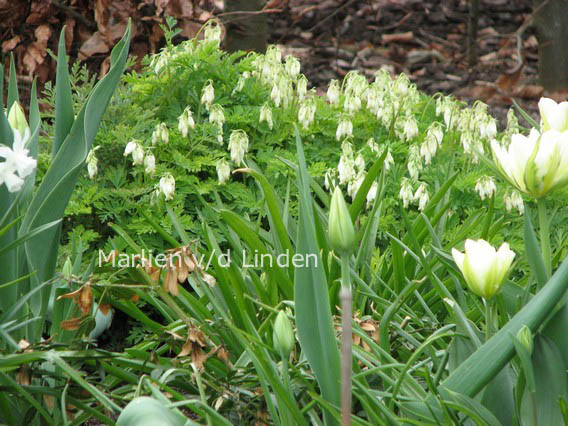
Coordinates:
[283,335]
[17,118]
[524,336]
[341,231]
[67,270]
[484,268]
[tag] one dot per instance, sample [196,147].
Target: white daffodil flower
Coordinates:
[535,164]
[17,159]
[553,116]
[483,267]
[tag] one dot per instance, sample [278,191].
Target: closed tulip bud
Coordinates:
[283,335]
[67,270]
[341,231]
[483,267]
[17,118]
[553,116]
[525,337]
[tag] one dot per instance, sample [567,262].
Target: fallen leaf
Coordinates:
[70,324]
[10,44]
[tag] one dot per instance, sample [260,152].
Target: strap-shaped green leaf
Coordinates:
[313,313]
[63,99]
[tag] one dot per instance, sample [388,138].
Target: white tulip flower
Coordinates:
[168,186]
[483,267]
[535,164]
[553,116]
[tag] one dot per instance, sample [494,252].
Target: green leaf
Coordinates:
[63,99]
[361,196]
[55,190]
[534,255]
[551,385]
[313,313]
[476,411]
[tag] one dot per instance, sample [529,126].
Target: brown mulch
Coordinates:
[425,39]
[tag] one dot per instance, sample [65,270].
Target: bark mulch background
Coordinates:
[425,39]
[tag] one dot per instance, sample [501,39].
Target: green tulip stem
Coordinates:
[544,236]
[346,346]
[488,318]
[284,410]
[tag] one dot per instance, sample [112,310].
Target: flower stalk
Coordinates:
[544,236]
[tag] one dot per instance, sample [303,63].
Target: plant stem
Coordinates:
[488,319]
[284,413]
[544,236]
[346,347]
